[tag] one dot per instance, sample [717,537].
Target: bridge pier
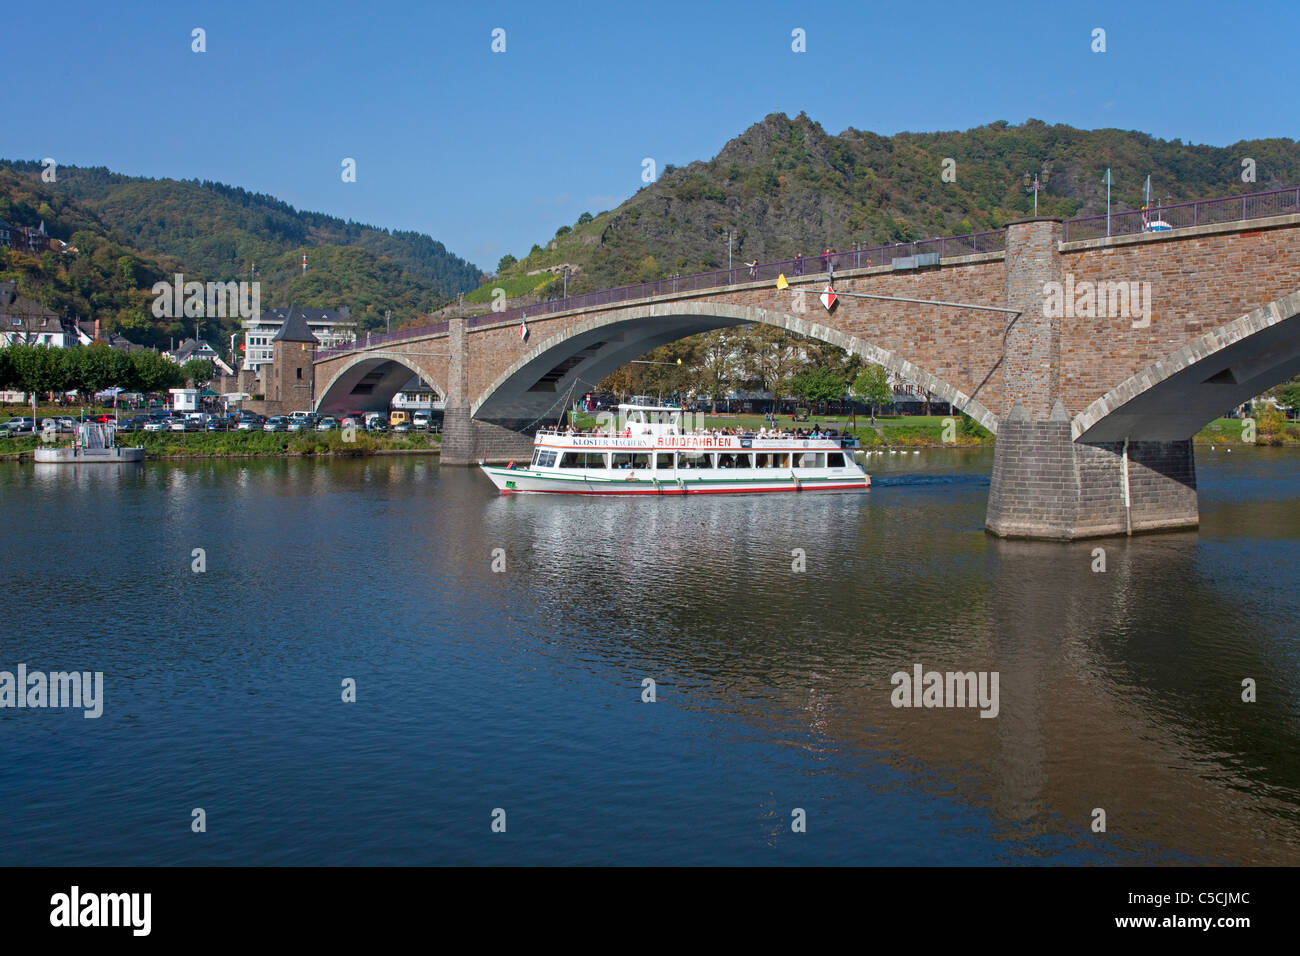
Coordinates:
[1045,484]
[466,441]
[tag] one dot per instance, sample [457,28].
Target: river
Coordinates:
[517,694]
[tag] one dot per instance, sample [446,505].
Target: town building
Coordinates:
[24,321]
[24,239]
[329,327]
[197,349]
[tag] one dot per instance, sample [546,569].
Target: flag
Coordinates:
[828,298]
[523,329]
[781,282]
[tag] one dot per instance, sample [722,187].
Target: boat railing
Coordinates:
[845,440]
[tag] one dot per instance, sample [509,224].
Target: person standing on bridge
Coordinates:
[753,268]
[798,263]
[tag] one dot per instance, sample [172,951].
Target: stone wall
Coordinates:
[1047,486]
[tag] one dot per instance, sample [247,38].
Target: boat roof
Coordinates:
[651,408]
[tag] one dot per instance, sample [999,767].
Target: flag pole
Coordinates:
[1107,201]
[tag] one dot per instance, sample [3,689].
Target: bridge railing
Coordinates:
[1202,212]
[1129,222]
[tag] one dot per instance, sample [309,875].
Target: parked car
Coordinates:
[183,425]
[218,424]
[376,424]
[156,424]
[328,424]
[276,423]
[350,421]
[420,420]
[402,428]
[133,424]
[248,423]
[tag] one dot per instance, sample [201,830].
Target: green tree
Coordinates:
[872,387]
[95,364]
[1289,393]
[153,373]
[8,372]
[818,385]
[647,270]
[506,262]
[770,356]
[717,370]
[41,369]
[197,370]
[584,219]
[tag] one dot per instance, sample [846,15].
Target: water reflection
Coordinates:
[1119,689]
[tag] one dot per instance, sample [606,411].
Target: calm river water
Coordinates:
[521,690]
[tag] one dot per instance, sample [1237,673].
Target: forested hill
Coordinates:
[211,231]
[786,186]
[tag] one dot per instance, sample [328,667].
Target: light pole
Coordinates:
[566,281]
[730,234]
[1107,181]
[1032,183]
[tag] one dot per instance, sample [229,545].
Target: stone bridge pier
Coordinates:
[467,440]
[1045,484]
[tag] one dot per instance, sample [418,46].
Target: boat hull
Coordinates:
[523,480]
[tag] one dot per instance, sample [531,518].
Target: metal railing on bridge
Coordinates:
[1202,212]
[1260,205]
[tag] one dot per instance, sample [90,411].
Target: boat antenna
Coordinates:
[568,399]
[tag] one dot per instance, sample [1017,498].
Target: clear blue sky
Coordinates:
[490,152]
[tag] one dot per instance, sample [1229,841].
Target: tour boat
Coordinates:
[647,453]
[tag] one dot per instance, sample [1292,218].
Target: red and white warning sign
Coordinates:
[828,298]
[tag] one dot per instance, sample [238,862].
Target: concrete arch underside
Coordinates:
[1176,397]
[369,381]
[535,387]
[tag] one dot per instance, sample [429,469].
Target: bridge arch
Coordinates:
[597,346]
[1174,398]
[369,380]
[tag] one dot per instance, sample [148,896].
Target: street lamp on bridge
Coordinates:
[1032,185]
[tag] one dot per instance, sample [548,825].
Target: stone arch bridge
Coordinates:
[1124,346]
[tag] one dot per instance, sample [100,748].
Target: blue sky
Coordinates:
[491,152]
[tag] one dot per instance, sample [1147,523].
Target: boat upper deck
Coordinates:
[574,438]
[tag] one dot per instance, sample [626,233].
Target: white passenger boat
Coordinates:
[646,453]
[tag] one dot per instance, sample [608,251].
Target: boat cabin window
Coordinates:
[694,459]
[772,460]
[728,459]
[630,460]
[582,459]
[545,459]
[664,461]
[810,459]
[835,459]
